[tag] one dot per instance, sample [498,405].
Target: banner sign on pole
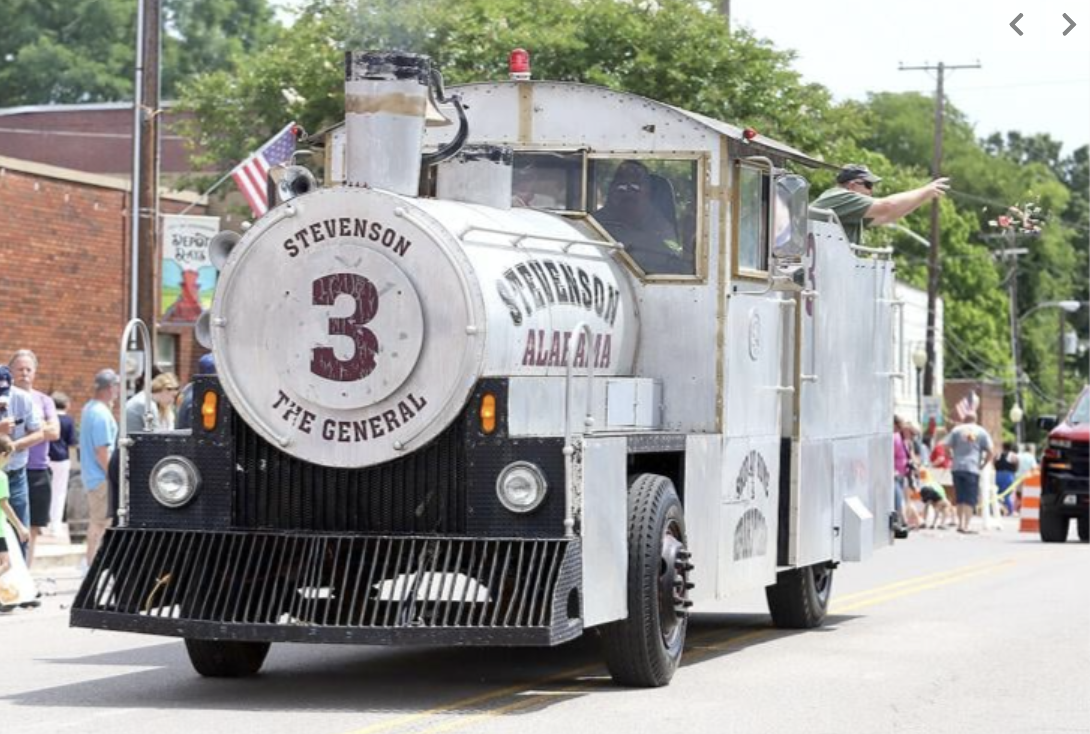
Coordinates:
[188,277]
[931,413]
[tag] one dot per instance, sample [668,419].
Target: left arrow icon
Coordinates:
[1014,24]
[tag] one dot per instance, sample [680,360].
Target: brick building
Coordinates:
[65,273]
[990,411]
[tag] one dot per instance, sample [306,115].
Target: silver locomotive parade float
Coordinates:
[581,360]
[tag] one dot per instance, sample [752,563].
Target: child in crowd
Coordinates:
[936,505]
[7,594]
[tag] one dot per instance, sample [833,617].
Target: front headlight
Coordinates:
[521,487]
[174,481]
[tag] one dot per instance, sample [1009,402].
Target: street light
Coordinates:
[1016,414]
[919,361]
[1065,307]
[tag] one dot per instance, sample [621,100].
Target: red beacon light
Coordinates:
[518,65]
[749,134]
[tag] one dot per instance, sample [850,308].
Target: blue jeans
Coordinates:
[20,498]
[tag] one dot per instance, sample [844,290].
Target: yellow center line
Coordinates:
[695,649]
[913,581]
[840,609]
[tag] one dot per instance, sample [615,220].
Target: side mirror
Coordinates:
[790,204]
[1046,422]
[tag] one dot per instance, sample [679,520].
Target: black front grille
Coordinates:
[333,588]
[424,492]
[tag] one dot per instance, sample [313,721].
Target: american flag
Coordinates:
[252,174]
[967,405]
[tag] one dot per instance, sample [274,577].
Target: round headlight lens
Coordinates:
[174,481]
[521,487]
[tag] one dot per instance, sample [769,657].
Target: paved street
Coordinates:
[942,633]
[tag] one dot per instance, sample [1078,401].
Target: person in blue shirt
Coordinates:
[21,421]
[98,434]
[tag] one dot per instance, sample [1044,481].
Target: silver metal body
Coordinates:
[762,387]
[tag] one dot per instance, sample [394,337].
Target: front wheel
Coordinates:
[800,597]
[1053,527]
[645,649]
[226,658]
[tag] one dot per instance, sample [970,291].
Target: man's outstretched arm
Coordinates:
[893,207]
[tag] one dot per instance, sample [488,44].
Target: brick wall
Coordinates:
[64,276]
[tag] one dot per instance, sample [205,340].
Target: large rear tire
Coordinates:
[1054,527]
[226,658]
[644,650]
[800,597]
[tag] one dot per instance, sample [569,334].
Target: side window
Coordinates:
[650,206]
[552,181]
[753,198]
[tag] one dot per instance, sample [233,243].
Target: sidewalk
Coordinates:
[54,554]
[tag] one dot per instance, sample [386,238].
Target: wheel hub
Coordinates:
[674,583]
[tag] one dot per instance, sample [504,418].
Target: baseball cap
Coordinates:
[5,381]
[856,172]
[206,365]
[106,378]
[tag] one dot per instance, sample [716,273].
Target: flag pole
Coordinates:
[212,188]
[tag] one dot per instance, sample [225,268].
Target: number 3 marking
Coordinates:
[324,362]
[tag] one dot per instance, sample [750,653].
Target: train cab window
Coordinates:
[753,198]
[650,206]
[548,180]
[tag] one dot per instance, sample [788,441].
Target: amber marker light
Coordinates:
[208,410]
[488,413]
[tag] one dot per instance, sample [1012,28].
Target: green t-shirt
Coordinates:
[4,494]
[849,207]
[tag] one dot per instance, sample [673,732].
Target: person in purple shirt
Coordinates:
[24,368]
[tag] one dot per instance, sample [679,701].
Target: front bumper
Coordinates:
[355,589]
[1066,494]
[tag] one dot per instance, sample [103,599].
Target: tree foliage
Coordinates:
[70,51]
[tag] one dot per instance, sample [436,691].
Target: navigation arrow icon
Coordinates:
[1015,27]
[1068,19]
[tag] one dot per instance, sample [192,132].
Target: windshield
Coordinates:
[1081,412]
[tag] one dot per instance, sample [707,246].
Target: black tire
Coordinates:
[644,650]
[800,597]
[1054,527]
[1084,528]
[226,658]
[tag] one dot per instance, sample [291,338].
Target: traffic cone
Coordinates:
[1031,503]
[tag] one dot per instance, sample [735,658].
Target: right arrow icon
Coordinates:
[1071,23]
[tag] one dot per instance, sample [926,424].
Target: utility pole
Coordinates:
[146,188]
[933,268]
[724,10]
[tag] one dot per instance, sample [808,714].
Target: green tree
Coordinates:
[72,51]
[632,46]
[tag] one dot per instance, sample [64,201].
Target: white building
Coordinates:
[913,339]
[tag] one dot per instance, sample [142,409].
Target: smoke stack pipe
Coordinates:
[385,100]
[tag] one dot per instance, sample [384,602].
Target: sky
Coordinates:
[1038,82]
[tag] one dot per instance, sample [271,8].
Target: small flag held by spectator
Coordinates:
[252,174]
[967,405]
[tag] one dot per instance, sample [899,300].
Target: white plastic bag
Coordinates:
[17,584]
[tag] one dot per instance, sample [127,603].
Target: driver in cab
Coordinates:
[632,217]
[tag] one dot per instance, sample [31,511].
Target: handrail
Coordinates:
[828,214]
[899,358]
[569,451]
[871,250]
[124,441]
[520,236]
